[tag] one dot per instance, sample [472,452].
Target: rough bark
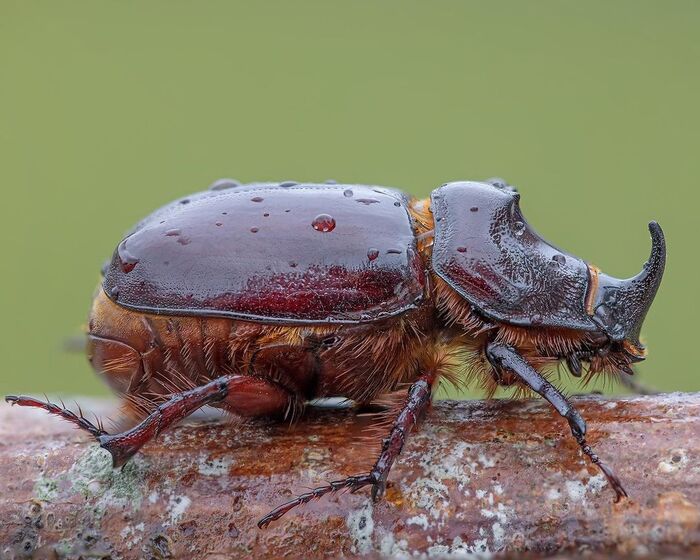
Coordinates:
[478,477]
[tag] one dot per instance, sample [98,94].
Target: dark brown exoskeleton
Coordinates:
[259,298]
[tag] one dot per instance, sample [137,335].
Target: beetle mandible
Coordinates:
[259,298]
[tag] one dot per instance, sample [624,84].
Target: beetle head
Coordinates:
[620,306]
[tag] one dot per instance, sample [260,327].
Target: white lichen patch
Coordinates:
[500,514]
[485,461]
[389,547]
[577,491]
[132,535]
[441,467]
[553,494]
[477,550]
[676,461]
[420,520]
[177,505]
[360,525]
[430,495]
[214,467]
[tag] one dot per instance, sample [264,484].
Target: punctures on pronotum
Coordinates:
[260,298]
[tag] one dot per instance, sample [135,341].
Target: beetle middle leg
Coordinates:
[505,357]
[240,394]
[414,408]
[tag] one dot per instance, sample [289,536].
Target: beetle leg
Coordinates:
[505,357]
[414,408]
[241,394]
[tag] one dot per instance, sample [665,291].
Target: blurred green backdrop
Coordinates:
[110,109]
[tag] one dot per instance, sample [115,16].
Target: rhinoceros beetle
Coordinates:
[259,298]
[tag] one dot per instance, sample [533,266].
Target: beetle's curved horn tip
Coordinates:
[658,242]
[12,399]
[655,229]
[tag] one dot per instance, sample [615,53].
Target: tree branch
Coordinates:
[477,477]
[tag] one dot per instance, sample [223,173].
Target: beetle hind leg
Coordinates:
[240,394]
[414,408]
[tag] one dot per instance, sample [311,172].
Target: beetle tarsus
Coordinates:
[352,483]
[76,419]
[610,475]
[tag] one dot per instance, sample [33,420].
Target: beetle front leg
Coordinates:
[414,408]
[505,357]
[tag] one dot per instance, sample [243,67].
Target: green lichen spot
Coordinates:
[46,489]
[93,476]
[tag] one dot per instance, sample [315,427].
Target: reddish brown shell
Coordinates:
[486,251]
[289,253]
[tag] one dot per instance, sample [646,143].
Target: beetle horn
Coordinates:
[622,305]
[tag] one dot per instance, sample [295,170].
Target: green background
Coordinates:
[110,109]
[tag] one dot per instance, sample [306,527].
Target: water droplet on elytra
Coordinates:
[129,266]
[292,264]
[394,252]
[324,223]
[257,199]
[172,232]
[287,184]
[372,253]
[519,228]
[223,184]
[347,193]
[185,201]
[266,215]
[397,204]
[219,224]
[367,201]
[462,249]
[254,230]
[127,261]
[474,209]
[559,259]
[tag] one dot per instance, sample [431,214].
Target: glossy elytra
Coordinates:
[260,298]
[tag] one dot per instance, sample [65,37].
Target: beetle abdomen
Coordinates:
[148,357]
[273,253]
